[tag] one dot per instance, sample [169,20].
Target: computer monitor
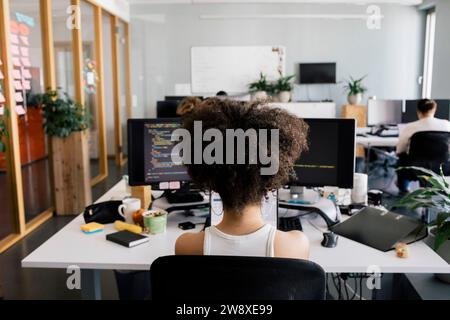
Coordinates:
[179,98]
[330,160]
[410,112]
[384,112]
[167,109]
[149,154]
[317,73]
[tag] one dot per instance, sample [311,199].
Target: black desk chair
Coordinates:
[236,278]
[429,150]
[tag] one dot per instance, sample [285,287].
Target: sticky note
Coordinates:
[17,74]
[26,85]
[26,74]
[16,62]
[18,85]
[25,51]
[14,39]
[24,40]
[26,62]
[15,50]
[18,96]
[20,110]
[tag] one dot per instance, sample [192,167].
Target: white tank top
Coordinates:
[258,243]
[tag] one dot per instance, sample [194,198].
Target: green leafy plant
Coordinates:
[354,87]
[435,196]
[261,85]
[283,84]
[3,130]
[62,115]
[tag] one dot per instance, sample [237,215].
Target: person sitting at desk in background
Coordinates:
[242,231]
[426,109]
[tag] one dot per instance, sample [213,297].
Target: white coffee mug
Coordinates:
[128,207]
[359,191]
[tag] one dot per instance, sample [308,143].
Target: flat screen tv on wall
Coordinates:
[317,73]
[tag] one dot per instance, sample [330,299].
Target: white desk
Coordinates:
[93,253]
[374,141]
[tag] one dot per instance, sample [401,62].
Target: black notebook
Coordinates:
[381,229]
[126,238]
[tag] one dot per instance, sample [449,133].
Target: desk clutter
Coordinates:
[133,224]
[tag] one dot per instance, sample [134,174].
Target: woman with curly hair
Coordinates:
[242,187]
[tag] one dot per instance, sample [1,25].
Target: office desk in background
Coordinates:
[369,141]
[92,253]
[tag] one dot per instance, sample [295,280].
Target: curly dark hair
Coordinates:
[240,185]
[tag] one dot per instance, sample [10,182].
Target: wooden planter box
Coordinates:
[71,173]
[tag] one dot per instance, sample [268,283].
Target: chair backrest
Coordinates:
[430,146]
[236,278]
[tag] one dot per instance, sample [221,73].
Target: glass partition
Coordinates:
[28,74]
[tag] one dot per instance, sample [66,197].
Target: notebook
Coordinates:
[381,229]
[127,238]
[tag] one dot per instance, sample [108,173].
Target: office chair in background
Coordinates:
[236,278]
[429,150]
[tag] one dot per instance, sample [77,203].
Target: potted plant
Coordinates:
[355,90]
[435,196]
[3,131]
[259,88]
[66,122]
[283,88]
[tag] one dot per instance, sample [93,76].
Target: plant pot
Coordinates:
[354,98]
[71,173]
[443,252]
[284,96]
[259,95]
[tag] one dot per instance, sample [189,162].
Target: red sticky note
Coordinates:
[18,85]
[26,62]
[18,96]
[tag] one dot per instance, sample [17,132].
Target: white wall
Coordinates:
[162,36]
[441,68]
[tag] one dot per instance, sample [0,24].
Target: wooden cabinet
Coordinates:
[32,139]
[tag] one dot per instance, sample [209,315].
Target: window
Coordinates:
[429,53]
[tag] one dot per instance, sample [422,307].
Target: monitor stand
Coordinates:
[301,195]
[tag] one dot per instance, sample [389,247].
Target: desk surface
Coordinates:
[374,141]
[71,247]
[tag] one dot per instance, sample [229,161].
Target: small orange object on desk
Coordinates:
[401,249]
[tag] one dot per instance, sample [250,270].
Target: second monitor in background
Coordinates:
[384,112]
[410,114]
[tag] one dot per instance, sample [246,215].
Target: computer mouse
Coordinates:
[330,240]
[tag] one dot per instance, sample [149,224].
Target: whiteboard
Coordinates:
[232,68]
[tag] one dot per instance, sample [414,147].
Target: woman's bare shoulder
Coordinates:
[291,244]
[190,243]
